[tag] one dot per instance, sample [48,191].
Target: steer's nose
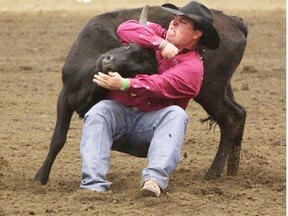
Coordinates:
[107,59]
[107,63]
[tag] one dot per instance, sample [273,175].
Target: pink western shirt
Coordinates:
[177,81]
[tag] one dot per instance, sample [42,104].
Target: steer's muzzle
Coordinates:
[107,63]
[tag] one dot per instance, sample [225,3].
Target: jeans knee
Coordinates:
[178,113]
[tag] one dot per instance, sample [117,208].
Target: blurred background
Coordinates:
[38,5]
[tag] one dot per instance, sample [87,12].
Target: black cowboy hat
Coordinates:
[203,19]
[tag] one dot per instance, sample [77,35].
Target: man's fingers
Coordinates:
[99,80]
[100,77]
[111,81]
[112,74]
[104,76]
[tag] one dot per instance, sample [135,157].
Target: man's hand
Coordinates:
[169,50]
[112,81]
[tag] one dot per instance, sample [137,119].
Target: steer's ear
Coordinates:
[144,15]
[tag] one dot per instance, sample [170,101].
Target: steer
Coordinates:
[97,48]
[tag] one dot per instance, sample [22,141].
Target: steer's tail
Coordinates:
[210,121]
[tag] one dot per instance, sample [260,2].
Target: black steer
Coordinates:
[99,36]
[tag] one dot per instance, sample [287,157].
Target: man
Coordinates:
[144,116]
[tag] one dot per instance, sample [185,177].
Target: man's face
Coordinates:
[181,32]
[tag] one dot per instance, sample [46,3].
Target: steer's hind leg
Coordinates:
[234,155]
[229,118]
[64,115]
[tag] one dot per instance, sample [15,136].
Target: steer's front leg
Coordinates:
[64,115]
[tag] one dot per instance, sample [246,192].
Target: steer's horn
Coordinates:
[144,15]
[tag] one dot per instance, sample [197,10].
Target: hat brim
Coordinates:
[210,34]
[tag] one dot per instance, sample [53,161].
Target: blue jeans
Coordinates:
[157,135]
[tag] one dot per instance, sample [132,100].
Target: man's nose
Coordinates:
[174,22]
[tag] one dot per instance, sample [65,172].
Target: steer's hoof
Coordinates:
[40,179]
[210,175]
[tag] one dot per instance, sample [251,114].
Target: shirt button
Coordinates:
[154,43]
[141,35]
[147,87]
[148,103]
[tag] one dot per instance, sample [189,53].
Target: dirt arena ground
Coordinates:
[35,38]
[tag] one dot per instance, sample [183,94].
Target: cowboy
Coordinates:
[145,115]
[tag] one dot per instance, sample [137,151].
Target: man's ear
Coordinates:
[197,34]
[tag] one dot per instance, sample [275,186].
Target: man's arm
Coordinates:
[149,36]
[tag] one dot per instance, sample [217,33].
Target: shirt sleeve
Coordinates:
[181,81]
[149,36]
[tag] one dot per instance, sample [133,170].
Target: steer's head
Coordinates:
[131,59]
[128,61]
